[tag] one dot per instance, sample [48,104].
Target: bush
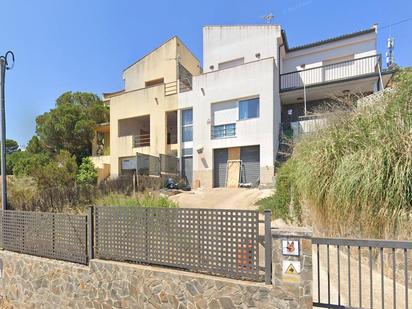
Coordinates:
[283,203]
[356,174]
[87,173]
[145,200]
[59,172]
[24,163]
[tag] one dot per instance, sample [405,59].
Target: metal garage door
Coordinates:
[219,167]
[250,157]
[187,169]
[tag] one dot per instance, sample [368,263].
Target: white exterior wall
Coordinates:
[225,43]
[360,46]
[248,80]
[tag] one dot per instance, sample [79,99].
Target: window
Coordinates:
[187,152]
[223,131]
[187,125]
[248,109]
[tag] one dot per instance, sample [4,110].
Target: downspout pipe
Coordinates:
[279,63]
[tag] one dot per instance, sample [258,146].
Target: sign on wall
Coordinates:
[291,267]
[290,247]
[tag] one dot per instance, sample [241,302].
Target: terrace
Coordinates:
[334,72]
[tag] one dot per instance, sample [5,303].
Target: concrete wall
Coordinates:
[255,79]
[140,101]
[160,63]
[33,282]
[225,43]
[148,101]
[188,59]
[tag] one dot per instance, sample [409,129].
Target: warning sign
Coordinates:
[291,270]
[291,267]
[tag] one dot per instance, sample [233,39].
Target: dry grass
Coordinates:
[356,174]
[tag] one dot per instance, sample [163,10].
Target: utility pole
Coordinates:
[4,65]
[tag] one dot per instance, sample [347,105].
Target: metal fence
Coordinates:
[51,235]
[152,165]
[147,164]
[169,164]
[221,242]
[330,72]
[355,273]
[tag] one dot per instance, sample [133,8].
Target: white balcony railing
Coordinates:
[307,124]
[331,72]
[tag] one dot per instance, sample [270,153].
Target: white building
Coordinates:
[254,85]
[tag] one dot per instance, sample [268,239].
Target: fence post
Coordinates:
[292,264]
[90,229]
[268,247]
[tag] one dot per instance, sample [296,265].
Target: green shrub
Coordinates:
[25,163]
[59,172]
[282,203]
[145,200]
[356,174]
[87,173]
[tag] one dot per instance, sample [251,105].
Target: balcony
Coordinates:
[308,124]
[224,131]
[340,71]
[141,140]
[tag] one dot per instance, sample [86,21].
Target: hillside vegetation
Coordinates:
[354,177]
[54,172]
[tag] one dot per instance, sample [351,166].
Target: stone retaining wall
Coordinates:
[34,282]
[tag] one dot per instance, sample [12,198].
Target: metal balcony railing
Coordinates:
[331,72]
[141,140]
[178,86]
[223,131]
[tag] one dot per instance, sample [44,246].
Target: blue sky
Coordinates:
[82,45]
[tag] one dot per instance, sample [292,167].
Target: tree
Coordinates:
[34,145]
[25,163]
[59,172]
[11,146]
[70,125]
[87,173]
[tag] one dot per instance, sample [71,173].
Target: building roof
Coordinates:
[322,42]
[107,95]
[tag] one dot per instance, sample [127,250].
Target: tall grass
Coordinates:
[25,194]
[141,200]
[355,175]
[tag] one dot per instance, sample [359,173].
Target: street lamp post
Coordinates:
[5,64]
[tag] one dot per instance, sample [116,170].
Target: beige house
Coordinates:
[144,116]
[223,127]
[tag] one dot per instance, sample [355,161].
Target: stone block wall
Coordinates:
[34,282]
[299,281]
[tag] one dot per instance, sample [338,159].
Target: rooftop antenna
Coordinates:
[269,18]
[390,59]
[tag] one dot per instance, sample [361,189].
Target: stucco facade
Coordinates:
[252,87]
[145,102]
[255,79]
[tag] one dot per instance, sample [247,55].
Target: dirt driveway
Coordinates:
[224,198]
